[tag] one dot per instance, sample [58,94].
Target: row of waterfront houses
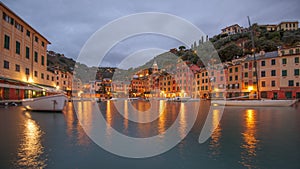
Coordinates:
[23,58]
[277,76]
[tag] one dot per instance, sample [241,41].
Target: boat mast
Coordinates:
[255,62]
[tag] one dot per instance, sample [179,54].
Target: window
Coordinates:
[47,77]
[221,78]
[296,72]
[43,44]
[35,56]
[206,73]
[236,78]
[273,72]
[230,78]
[212,73]
[246,84]
[230,70]
[296,59]
[36,39]
[42,75]
[17,68]
[273,83]
[254,74]
[18,46]
[8,18]
[284,73]
[246,65]
[282,52]
[26,71]
[236,69]
[291,82]
[43,60]
[18,26]
[6,41]
[284,61]
[263,63]
[28,33]
[263,84]
[35,73]
[27,52]
[273,62]
[297,51]
[297,84]
[291,52]
[52,78]
[263,74]
[6,64]
[246,74]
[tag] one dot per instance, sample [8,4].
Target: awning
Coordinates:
[20,87]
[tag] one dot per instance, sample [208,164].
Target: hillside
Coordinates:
[229,46]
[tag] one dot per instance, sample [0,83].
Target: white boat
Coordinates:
[263,102]
[46,103]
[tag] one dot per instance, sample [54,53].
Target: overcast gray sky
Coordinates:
[68,24]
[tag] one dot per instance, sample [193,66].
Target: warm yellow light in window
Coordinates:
[250,88]
[30,80]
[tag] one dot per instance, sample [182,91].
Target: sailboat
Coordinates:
[259,101]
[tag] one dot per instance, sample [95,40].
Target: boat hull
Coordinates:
[262,103]
[46,103]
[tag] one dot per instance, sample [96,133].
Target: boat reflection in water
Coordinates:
[31,151]
[250,144]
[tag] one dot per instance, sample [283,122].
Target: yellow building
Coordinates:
[286,26]
[23,50]
[233,29]
[23,55]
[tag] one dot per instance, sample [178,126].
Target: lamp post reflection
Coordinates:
[31,150]
[215,144]
[250,143]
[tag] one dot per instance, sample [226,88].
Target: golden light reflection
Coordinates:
[182,121]
[216,135]
[144,129]
[162,118]
[83,113]
[31,150]
[69,116]
[109,119]
[250,141]
[125,115]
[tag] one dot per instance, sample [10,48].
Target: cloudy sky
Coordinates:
[68,24]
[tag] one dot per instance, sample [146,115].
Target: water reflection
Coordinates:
[31,150]
[215,144]
[182,121]
[74,129]
[125,121]
[250,143]
[162,119]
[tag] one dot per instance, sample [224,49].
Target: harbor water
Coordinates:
[246,137]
